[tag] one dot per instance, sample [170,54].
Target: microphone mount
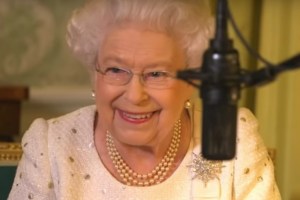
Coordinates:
[221,80]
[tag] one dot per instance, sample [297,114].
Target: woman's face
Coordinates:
[136,114]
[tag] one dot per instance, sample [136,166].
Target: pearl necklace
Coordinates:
[157,175]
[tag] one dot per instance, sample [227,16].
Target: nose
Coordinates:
[135,90]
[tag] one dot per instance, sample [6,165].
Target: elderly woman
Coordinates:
[141,138]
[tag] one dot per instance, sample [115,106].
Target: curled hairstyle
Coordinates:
[188,21]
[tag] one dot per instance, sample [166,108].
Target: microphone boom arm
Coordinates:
[247,78]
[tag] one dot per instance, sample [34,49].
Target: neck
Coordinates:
[131,176]
[148,156]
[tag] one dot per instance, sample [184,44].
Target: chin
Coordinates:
[135,138]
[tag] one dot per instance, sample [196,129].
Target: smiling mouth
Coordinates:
[135,117]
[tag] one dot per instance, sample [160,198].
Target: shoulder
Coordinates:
[41,145]
[254,171]
[39,130]
[246,119]
[79,114]
[248,130]
[249,142]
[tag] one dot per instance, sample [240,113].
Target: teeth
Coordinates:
[138,116]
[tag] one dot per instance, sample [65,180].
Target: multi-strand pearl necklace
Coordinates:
[157,175]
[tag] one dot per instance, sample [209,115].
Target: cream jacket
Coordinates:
[60,162]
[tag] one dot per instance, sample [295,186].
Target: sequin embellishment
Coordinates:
[205,170]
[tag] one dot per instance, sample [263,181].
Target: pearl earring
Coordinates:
[187,104]
[93,94]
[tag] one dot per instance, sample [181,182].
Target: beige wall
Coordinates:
[278,104]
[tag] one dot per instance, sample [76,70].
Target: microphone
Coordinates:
[220,92]
[221,82]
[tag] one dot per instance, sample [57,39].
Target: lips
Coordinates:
[135,117]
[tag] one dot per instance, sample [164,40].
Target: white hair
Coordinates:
[189,21]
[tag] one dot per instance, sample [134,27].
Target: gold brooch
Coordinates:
[205,170]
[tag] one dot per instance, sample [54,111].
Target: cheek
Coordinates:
[105,96]
[173,100]
[181,93]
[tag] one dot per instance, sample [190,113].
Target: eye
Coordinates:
[115,71]
[156,75]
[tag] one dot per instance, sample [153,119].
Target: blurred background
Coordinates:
[34,56]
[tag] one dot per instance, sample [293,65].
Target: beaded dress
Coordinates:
[60,162]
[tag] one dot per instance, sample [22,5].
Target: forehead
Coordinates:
[135,45]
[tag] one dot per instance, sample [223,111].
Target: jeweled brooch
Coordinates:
[205,170]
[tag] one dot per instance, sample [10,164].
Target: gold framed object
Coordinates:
[10,153]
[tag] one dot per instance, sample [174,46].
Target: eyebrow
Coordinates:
[114,59]
[155,64]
